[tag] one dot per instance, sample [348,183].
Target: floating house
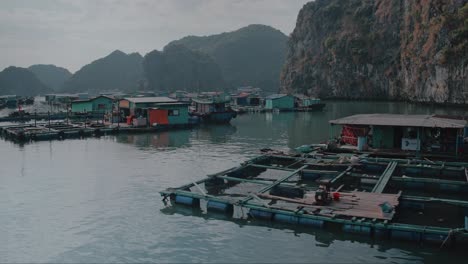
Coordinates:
[100,104]
[246,99]
[213,109]
[65,98]
[304,103]
[282,102]
[156,110]
[426,134]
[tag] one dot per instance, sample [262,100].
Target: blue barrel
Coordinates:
[260,214]
[214,206]
[311,222]
[381,232]
[406,235]
[185,200]
[284,218]
[357,229]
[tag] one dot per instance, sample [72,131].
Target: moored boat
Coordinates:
[213,110]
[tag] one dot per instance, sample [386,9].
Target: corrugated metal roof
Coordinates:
[275,96]
[400,120]
[150,100]
[301,96]
[92,99]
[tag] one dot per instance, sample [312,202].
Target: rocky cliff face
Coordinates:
[413,50]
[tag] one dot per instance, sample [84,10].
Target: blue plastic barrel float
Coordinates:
[285,218]
[305,221]
[186,200]
[357,229]
[219,207]
[260,214]
[405,235]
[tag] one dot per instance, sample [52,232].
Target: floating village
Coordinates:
[384,176]
[83,116]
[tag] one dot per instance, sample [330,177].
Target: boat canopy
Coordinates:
[432,121]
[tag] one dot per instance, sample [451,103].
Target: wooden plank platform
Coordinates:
[352,204]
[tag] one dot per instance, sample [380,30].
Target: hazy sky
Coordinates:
[72,33]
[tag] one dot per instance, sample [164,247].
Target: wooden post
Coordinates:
[48,115]
[35,118]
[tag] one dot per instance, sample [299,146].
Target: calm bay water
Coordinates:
[96,200]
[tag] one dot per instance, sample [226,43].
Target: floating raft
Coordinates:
[62,130]
[394,199]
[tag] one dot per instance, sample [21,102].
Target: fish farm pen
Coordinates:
[398,199]
[65,130]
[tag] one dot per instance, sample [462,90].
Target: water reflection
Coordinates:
[215,133]
[390,251]
[159,140]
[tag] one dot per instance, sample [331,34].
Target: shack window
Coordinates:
[173,112]
[101,106]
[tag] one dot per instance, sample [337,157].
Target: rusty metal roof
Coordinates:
[400,120]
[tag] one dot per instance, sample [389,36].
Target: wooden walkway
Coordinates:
[385,177]
[352,204]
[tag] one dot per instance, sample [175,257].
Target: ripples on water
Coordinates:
[97,200]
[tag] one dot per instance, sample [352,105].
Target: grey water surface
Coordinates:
[96,200]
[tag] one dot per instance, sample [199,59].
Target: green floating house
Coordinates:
[99,104]
[284,102]
[395,133]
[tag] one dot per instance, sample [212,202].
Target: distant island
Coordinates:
[250,56]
